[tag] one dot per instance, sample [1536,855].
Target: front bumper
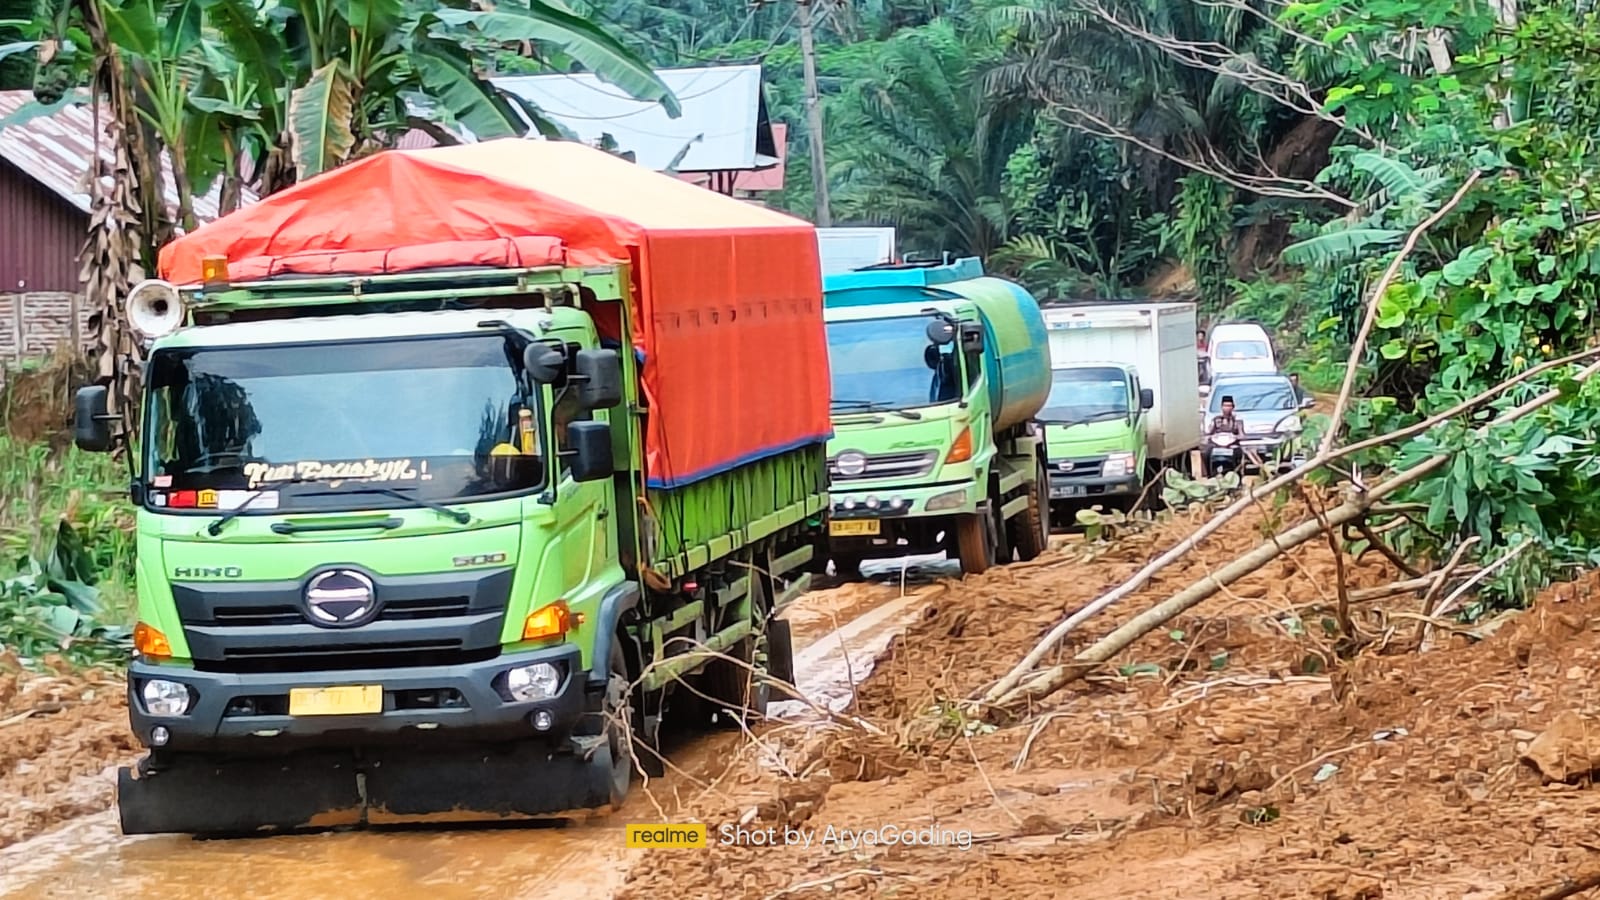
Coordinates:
[1070,487]
[867,522]
[249,712]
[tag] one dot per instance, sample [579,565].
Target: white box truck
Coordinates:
[1124,398]
[847,249]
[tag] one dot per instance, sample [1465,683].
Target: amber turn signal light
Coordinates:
[548,622]
[214,271]
[149,641]
[961,450]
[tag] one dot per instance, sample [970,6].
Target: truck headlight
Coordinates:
[1117,465]
[539,681]
[947,500]
[166,698]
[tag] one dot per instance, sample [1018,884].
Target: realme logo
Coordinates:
[687,835]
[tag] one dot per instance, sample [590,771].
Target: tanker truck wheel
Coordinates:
[975,540]
[1032,532]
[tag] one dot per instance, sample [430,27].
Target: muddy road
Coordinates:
[70,845]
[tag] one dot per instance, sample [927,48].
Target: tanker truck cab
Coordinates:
[929,454]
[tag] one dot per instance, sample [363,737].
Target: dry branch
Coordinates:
[1356,505]
[1142,577]
[1359,347]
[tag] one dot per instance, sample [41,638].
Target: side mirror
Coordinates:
[1147,398]
[544,363]
[972,338]
[1308,402]
[941,331]
[591,450]
[91,425]
[599,378]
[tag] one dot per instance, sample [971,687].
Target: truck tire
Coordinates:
[619,726]
[735,687]
[1033,526]
[975,541]
[847,568]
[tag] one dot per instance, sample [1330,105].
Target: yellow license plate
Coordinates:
[344,700]
[854,527]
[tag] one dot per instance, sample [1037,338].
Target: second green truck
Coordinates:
[938,372]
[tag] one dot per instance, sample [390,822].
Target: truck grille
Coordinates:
[1077,467]
[888,465]
[421,620]
[292,615]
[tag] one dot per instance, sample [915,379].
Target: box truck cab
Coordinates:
[1241,349]
[1123,393]
[937,373]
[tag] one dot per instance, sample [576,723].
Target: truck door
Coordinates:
[582,509]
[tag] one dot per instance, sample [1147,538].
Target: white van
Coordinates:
[1240,350]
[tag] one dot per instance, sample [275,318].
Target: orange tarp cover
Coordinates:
[728,296]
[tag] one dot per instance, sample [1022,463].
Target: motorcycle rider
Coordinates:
[1225,422]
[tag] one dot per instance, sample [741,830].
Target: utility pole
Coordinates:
[819,171]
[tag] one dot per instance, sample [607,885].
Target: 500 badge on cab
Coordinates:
[482,559]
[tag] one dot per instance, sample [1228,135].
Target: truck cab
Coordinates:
[1096,424]
[936,373]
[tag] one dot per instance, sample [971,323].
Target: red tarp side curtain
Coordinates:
[728,311]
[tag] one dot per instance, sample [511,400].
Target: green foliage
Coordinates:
[54,607]
[67,538]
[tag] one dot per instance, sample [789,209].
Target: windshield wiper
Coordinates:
[876,406]
[215,528]
[461,516]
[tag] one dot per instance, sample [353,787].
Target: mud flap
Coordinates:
[194,795]
[314,790]
[518,781]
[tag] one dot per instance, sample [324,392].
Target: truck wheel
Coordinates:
[975,541]
[737,687]
[619,724]
[847,568]
[1033,526]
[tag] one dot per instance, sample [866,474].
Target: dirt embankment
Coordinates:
[1234,755]
[58,736]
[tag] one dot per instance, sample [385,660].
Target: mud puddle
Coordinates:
[837,633]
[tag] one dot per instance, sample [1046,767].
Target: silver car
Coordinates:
[1269,409]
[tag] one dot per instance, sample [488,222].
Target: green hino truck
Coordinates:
[938,371]
[442,516]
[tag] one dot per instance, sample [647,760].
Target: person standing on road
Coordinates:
[1300,393]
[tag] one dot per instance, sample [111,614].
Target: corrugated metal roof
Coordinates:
[724,124]
[55,151]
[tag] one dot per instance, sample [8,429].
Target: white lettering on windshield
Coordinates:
[337,473]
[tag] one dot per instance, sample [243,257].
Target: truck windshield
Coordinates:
[418,416]
[1085,395]
[888,364]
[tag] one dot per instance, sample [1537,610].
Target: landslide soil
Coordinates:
[1235,753]
[59,736]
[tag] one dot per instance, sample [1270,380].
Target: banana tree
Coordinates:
[360,66]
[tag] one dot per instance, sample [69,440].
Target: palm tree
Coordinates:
[917,145]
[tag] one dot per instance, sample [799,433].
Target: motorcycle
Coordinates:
[1224,454]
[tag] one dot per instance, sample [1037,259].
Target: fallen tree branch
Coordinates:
[1357,505]
[1370,317]
[1377,543]
[1452,601]
[1142,577]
